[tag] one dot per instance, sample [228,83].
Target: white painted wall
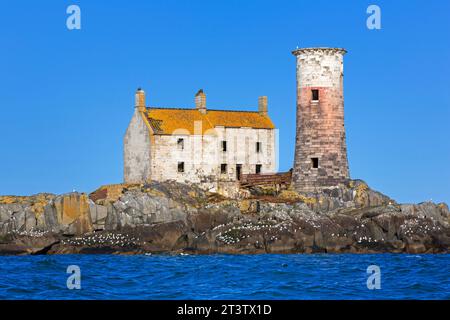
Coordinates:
[203,155]
[320,67]
[136,151]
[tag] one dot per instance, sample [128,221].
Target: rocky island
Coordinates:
[164,205]
[171,217]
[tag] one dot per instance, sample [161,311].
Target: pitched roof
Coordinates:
[185,121]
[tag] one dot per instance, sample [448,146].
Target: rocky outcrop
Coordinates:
[22,214]
[69,214]
[171,217]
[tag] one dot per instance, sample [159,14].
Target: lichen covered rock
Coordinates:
[173,217]
[69,214]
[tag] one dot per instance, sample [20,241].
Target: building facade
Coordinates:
[320,149]
[199,145]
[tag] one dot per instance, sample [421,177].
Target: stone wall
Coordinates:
[202,156]
[136,150]
[196,153]
[241,149]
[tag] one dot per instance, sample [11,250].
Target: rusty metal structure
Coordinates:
[276,179]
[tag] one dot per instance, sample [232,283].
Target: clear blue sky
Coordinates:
[66,96]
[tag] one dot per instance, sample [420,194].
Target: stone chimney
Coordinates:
[262,105]
[200,101]
[140,99]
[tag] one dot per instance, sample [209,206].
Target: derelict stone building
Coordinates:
[198,145]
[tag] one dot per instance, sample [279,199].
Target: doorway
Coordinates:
[238,171]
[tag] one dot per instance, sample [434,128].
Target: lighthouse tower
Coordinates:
[320,148]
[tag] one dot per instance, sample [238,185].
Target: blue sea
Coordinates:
[266,276]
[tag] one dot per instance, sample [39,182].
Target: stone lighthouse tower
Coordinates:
[320,148]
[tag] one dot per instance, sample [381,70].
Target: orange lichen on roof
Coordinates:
[191,121]
[170,121]
[236,119]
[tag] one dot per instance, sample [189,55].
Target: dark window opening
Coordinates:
[180,144]
[258,168]
[315,95]
[223,168]
[315,162]
[180,166]
[258,147]
[224,146]
[238,171]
